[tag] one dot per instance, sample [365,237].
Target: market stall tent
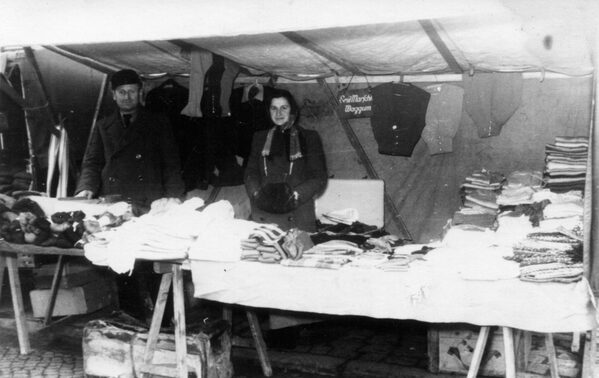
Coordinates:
[341,42]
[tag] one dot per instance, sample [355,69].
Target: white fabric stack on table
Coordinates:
[172,231]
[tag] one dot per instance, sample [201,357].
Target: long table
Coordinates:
[418,294]
[423,294]
[434,295]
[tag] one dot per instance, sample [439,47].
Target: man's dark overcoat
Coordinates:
[139,162]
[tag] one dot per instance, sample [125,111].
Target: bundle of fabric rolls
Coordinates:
[549,257]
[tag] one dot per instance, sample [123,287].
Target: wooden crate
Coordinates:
[76,300]
[456,344]
[116,350]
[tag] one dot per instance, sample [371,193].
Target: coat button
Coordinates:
[140,178]
[111,179]
[138,156]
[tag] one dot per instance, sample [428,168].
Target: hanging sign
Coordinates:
[355,103]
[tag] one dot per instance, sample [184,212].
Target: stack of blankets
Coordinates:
[549,257]
[479,198]
[566,163]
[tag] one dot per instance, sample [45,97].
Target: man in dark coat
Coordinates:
[132,152]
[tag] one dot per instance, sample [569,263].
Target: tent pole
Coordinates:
[441,46]
[98,106]
[591,208]
[355,142]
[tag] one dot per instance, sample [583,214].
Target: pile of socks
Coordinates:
[566,163]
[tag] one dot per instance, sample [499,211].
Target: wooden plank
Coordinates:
[510,358]
[259,343]
[306,43]
[165,284]
[477,355]
[89,62]
[551,355]
[432,348]
[17,302]
[29,249]
[2,266]
[8,90]
[441,46]
[54,289]
[98,106]
[179,312]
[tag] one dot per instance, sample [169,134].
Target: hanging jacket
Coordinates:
[398,117]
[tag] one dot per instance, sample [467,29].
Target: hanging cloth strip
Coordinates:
[58,159]
[491,99]
[200,62]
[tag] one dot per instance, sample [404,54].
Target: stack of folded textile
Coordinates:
[479,198]
[548,257]
[566,163]
[519,188]
[263,244]
[332,254]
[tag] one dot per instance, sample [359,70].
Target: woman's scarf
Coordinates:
[295,151]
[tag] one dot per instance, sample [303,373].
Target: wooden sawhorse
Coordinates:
[509,352]
[172,274]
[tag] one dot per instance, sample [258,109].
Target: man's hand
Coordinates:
[88,194]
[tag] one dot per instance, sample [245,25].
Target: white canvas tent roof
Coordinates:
[305,39]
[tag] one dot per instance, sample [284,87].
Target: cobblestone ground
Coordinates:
[39,364]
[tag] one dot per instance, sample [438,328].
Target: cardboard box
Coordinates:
[74,273]
[73,301]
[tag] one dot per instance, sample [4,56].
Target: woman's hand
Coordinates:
[87,194]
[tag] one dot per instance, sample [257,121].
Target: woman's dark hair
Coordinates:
[282,93]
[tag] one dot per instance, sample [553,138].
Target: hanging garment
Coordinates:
[226,85]
[491,99]
[398,117]
[58,159]
[200,63]
[443,117]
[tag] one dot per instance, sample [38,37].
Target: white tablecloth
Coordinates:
[429,292]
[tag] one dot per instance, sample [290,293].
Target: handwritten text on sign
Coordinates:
[355,103]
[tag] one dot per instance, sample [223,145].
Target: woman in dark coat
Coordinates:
[286,169]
